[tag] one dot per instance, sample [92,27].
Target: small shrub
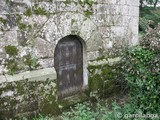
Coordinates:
[92,111]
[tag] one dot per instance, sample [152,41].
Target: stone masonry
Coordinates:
[34,27]
[29,33]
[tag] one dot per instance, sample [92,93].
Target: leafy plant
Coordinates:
[100,111]
[142,70]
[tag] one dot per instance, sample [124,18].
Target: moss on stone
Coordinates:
[28,12]
[88,2]
[6,87]
[104,79]
[30,62]
[18,18]
[45,92]
[11,64]
[7,1]
[88,13]
[40,11]
[11,50]
[21,26]
[49,106]
[68,1]
[73,32]
[3,21]
[66,103]
[73,21]
[20,87]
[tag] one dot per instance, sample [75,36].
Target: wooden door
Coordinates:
[68,61]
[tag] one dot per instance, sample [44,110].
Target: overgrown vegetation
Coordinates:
[149,18]
[139,73]
[142,71]
[94,111]
[105,79]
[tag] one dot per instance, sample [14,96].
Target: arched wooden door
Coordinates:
[68,60]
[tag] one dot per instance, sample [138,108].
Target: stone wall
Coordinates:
[29,33]
[31,93]
[30,29]
[28,94]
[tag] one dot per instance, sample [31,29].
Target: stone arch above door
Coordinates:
[71,23]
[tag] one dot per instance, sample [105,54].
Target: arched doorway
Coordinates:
[68,62]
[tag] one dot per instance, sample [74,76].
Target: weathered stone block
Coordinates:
[2,53]
[87,29]
[48,6]
[45,63]
[62,6]
[117,31]
[115,20]
[92,55]
[102,20]
[132,3]
[15,7]
[106,1]
[94,43]
[105,32]
[43,49]
[134,11]
[125,10]
[103,8]
[9,38]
